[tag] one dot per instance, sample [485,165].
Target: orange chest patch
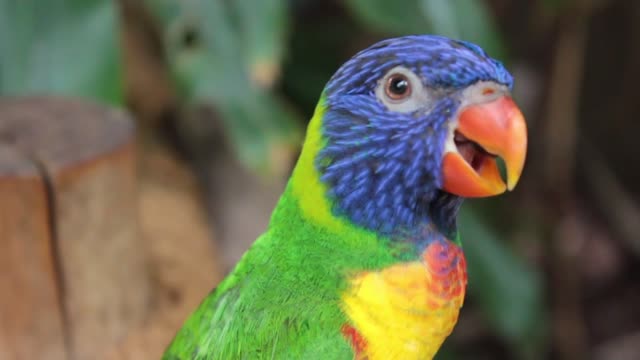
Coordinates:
[407,310]
[447,269]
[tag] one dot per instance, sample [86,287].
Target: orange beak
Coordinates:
[484,131]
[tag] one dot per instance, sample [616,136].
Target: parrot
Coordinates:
[362,257]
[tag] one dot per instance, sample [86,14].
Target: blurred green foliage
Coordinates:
[460,19]
[60,47]
[509,291]
[229,54]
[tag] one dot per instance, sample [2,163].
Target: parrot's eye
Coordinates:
[398,87]
[401,90]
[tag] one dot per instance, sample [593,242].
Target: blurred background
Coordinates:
[221,92]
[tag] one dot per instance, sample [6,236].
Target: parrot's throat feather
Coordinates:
[407,309]
[383,173]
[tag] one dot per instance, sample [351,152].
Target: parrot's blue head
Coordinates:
[411,125]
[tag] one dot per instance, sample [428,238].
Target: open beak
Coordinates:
[486,131]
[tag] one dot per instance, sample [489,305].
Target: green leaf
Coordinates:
[468,20]
[60,47]
[400,17]
[208,47]
[443,17]
[508,290]
[263,28]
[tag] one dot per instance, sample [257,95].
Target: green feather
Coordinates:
[283,298]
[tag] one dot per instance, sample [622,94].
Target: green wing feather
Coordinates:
[281,301]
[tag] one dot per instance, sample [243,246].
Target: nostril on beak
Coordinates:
[488,91]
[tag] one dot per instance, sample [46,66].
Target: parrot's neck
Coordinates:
[418,271]
[401,222]
[381,283]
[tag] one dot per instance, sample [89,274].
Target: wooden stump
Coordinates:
[185,263]
[73,274]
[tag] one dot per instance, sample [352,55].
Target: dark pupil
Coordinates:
[399,85]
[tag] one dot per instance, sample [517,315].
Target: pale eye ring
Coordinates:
[398,87]
[401,90]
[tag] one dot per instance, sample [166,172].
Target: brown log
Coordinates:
[30,312]
[184,259]
[85,155]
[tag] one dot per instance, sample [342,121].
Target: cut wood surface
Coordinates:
[77,266]
[100,256]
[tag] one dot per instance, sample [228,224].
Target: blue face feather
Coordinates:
[383,167]
[441,63]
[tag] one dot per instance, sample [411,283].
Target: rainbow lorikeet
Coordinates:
[362,257]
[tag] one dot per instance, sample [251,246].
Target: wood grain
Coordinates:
[84,156]
[30,312]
